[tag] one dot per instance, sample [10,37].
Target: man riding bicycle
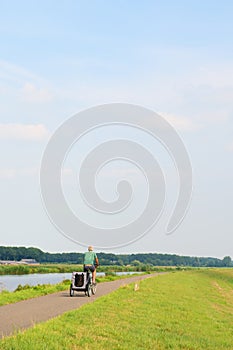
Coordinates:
[91,262]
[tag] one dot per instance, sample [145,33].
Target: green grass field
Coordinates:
[181,310]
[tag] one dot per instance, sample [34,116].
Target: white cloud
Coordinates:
[229,147]
[15,73]
[67,172]
[32,93]
[7,174]
[215,76]
[27,86]
[180,123]
[30,132]
[12,173]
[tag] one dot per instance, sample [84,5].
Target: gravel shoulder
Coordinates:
[26,313]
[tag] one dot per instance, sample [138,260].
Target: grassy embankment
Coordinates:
[28,292]
[187,310]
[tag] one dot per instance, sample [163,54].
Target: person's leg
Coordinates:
[93,275]
[86,269]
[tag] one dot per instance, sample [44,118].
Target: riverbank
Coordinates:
[64,268]
[46,268]
[27,292]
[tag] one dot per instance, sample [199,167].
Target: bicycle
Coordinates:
[91,287]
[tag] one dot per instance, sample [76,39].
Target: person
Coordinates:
[91,262]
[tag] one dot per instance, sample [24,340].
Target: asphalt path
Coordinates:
[26,313]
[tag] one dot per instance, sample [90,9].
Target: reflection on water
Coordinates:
[11,282]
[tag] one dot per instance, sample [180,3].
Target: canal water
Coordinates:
[11,282]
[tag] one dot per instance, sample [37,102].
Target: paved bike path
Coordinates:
[26,313]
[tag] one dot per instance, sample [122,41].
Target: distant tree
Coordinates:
[196,262]
[120,262]
[136,263]
[226,261]
[138,260]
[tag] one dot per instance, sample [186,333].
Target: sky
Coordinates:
[172,57]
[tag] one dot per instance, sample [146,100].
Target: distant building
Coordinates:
[21,262]
[28,262]
[9,262]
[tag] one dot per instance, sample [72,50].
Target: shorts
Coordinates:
[89,267]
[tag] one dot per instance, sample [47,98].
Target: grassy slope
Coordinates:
[182,310]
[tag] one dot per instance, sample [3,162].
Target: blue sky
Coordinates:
[175,57]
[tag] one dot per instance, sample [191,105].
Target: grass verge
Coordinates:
[187,310]
[28,292]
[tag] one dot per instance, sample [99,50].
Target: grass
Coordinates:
[43,268]
[61,268]
[187,310]
[28,292]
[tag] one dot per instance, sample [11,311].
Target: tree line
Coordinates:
[153,259]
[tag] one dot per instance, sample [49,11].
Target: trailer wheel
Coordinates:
[71,291]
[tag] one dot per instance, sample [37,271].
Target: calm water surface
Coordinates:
[11,282]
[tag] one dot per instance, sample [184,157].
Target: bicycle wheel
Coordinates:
[93,289]
[89,292]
